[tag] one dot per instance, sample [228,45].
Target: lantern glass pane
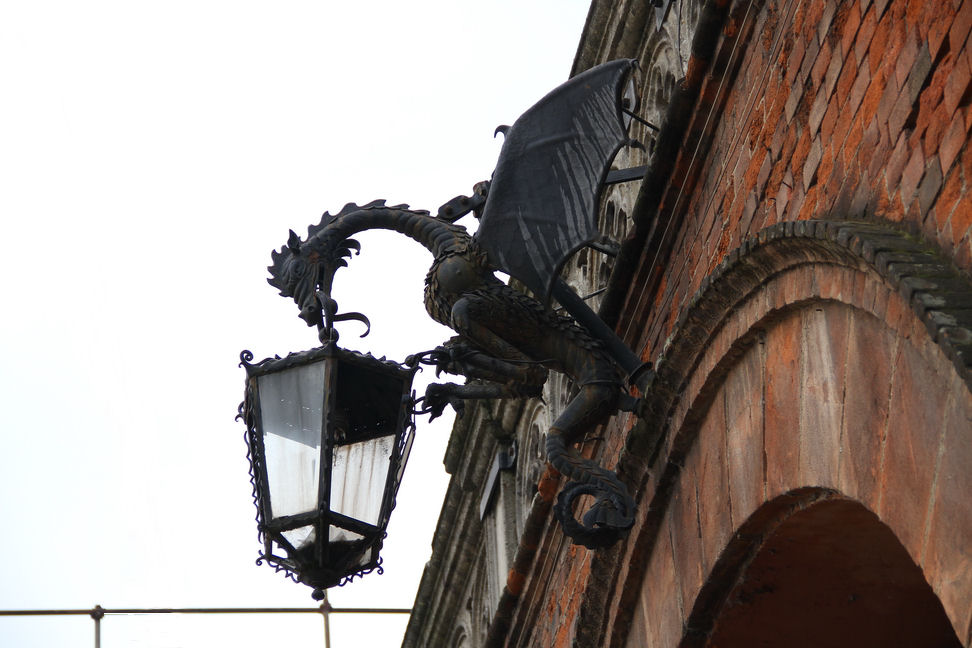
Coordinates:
[358,475]
[337,534]
[300,537]
[290,404]
[366,557]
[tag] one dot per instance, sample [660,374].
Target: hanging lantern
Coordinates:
[329,432]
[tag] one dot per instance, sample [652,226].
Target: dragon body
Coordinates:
[539,208]
[506,342]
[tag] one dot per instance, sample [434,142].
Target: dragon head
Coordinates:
[305,269]
[297,271]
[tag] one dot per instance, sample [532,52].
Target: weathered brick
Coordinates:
[913,437]
[959,31]
[864,35]
[952,142]
[935,132]
[890,96]
[832,74]
[781,200]
[851,141]
[744,418]
[905,60]
[793,100]
[782,391]
[663,613]
[948,554]
[812,163]
[808,206]
[824,350]
[826,166]
[829,121]
[919,73]
[817,110]
[809,59]
[960,221]
[832,177]
[690,565]
[639,632]
[764,171]
[930,185]
[957,84]
[939,23]
[950,195]
[858,90]
[911,176]
[872,98]
[865,194]
[898,116]
[845,80]
[896,163]
[878,45]
[849,27]
[794,61]
[867,390]
[828,12]
[870,150]
[821,65]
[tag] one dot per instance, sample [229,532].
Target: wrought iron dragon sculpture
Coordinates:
[539,208]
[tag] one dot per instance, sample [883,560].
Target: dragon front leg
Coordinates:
[438,395]
[494,378]
[461,358]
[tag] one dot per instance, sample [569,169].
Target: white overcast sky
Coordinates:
[151,156]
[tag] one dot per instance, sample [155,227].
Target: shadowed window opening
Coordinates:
[832,575]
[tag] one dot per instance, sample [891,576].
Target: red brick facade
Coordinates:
[817,372]
[820,110]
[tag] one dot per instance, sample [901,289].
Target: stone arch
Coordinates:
[531,456]
[661,69]
[820,354]
[811,568]
[688,18]
[614,223]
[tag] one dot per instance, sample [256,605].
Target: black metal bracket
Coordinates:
[639,372]
[617,176]
[638,119]
[504,459]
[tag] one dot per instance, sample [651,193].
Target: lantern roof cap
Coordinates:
[294,358]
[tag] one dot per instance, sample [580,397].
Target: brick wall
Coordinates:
[835,110]
[814,110]
[824,375]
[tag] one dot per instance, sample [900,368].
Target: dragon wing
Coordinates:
[543,197]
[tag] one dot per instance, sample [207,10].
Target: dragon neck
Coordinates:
[437,236]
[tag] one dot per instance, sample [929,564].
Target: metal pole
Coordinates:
[326,613]
[251,610]
[98,613]
[638,371]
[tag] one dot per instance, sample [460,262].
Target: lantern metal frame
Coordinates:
[352,381]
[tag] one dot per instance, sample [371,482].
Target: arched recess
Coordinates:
[820,354]
[813,569]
